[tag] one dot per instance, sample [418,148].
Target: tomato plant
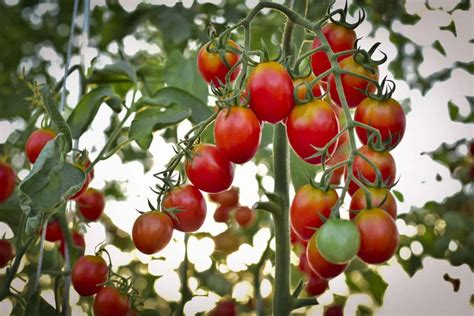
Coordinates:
[152,231]
[91,204]
[109,301]
[88,274]
[8,180]
[36,141]
[303,86]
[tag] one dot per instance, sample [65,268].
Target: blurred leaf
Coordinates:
[120,71]
[437,45]
[301,171]
[363,310]
[398,195]
[37,306]
[113,188]
[454,112]
[462,5]
[451,27]
[10,213]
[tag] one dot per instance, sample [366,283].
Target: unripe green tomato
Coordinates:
[338,240]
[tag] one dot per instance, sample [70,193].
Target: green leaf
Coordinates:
[121,71]
[398,195]
[451,27]
[437,45]
[300,171]
[10,213]
[37,306]
[457,117]
[377,285]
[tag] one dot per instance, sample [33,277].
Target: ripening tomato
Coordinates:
[362,170]
[237,132]
[227,242]
[296,240]
[211,66]
[221,215]
[226,198]
[79,243]
[301,87]
[334,310]
[191,205]
[378,235]
[110,301]
[303,265]
[338,240]
[387,116]
[271,92]
[312,124]
[316,285]
[7,181]
[88,274]
[340,38]
[244,215]
[152,232]
[224,308]
[380,198]
[53,231]
[354,87]
[37,140]
[319,265]
[91,204]
[307,208]
[209,170]
[6,252]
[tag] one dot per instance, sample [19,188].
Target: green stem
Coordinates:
[68,254]
[185,292]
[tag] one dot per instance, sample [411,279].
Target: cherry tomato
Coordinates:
[152,232]
[91,204]
[312,124]
[37,140]
[88,273]
[85,185]
[224,308]
[301,87]
[339,38]
[296,240]
[387,116]
[363,171]
[378,235]
[334,310]
[316,285]
[307,208]
[353,86]
[78,240]
[319,265]
[237,132]
[209,170]
[245,216]
[303,265]
[271,92]
[221,215]
[109,301]
[191,205]
[338,240]
[7,181]
[213,68]
[380,197]
[226,198]
[227,242]
[6,252]
[53,231]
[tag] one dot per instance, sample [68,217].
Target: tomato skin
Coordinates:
[35,143]
[338,240]
[213,68]
[319,265]
[386,116]
[361,169]
[190,201]
[109,301]
[224,308]
[300,85]
[377,195]
[78,240]
[271,92]
[351,83]
[245,216]
[295,239]
[237,132]
[339,38]
[7,181]
[313,123]
[209,170]
[226,198]
[6,252]
[152,232]
[307,206]
[91,204]
[84,187]
[222,213]
[316,285]
[303,265]
[379,235]
[88,273]
[53,231]
[334,310]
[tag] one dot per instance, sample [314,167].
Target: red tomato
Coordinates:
[221,215]
[209,170]
[152,232]
[386,116]
[109,301]
[78,240]
[88,273]
[353,86]
[271,92]
[319,265]
[316,285]
[334,310]
[363,170]
[7,181]
[6,252]
[377,195]
[245,216]
[295,240]
[303,265]
[313,123]
[213,68]
[301,87]
[378,235]
[37,140]
[191,204]
[91,204]
[53,231]
[237,132]
[226,198]
[308,205]
[339,38]
[224,308]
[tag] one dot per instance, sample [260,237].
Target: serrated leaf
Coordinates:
[451,27]
[437,45]
[398,195]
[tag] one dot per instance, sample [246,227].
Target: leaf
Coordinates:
[10,213]
[301,171]
[462,5]
[377,285]
[398,195]
[451,27]
[37,306]
[437,45]
[121,71]
[454,112]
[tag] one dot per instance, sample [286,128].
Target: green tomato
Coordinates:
[338,240]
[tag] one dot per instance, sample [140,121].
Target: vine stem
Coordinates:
[183,275]
[68,253]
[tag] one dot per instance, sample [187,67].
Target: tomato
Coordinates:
[319,265]
[334,310]
[386,116]
[338,240]
[227,242]
[245,216]
[312,124]
[6,252]
[224,308]
[212,67]
[354,87]
[378,235]
[342,151]
[377,196]
[209,170]
[79,243]
[7,181]
[85,185]
[316,285]
[362,170]
[301,87]
[295,239]
[91,204]
[37,140]
[226,198]
[152,232]
[53,231]
[109,301]
[88,273]
[339,38]
[308,205]
[221,215]
[303,265]
[191,205]
[237,132]
[271,92]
